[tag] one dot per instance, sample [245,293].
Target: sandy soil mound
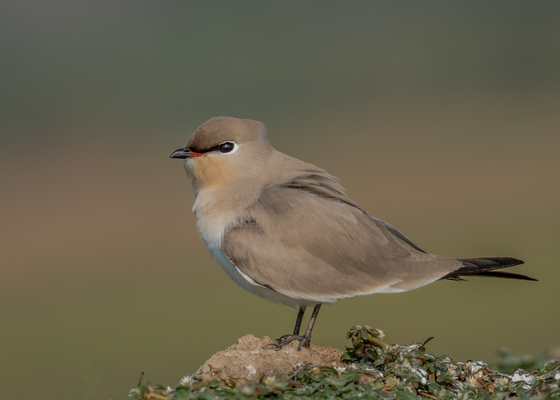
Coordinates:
[250,358]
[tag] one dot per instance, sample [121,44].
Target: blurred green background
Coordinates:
[441,118]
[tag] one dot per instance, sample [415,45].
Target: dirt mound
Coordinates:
[250,358]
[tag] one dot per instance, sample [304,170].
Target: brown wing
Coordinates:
[306,238]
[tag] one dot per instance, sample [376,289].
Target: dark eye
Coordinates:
[226,147]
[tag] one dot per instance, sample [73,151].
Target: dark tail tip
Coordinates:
[487,266]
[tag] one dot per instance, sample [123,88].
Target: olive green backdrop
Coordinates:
[439,117]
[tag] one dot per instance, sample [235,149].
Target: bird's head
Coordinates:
[225,151]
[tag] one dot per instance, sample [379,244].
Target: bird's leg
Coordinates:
[298,324]
[307,335]
[298,320]
[304,340]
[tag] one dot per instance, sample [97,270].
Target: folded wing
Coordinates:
[305,238]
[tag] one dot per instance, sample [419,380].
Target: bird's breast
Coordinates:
[213,217]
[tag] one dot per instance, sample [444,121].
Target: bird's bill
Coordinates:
[184,153]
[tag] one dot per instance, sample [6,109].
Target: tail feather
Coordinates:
[487,266]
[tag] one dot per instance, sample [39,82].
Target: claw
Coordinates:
[304,342]
[287,339]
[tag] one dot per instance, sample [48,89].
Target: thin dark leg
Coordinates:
[298,320]
[307,333]
[304,340]
[297,328]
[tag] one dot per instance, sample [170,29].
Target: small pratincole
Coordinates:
[285,229]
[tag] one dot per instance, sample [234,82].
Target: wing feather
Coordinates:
[305,237]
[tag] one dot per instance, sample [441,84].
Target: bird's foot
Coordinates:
[282,341]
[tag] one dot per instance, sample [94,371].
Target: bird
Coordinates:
[285,230]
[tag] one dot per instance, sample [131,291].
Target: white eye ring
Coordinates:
[235,147]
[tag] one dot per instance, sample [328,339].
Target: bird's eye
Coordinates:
[226,147]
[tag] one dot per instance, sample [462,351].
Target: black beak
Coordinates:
[181,153]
